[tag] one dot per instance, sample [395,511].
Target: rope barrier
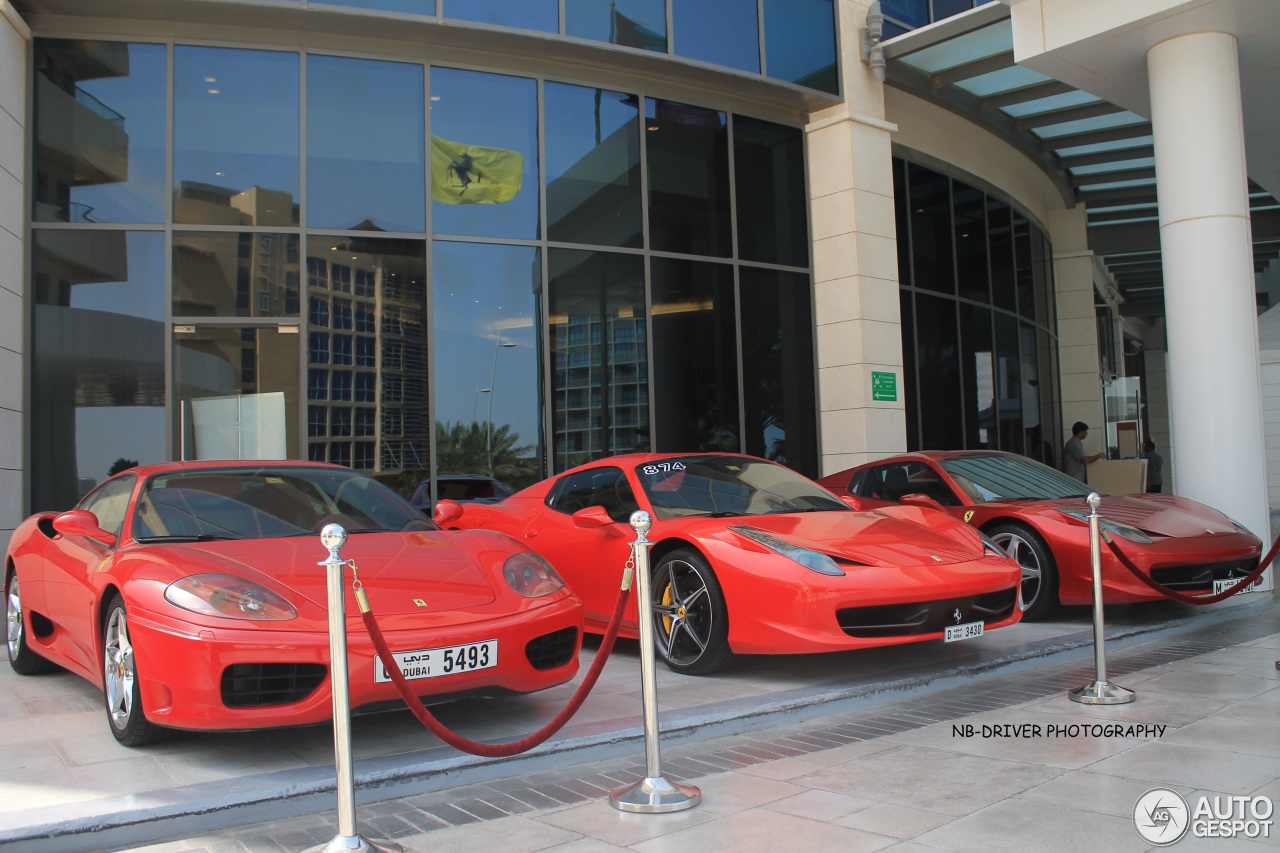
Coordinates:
[496,750]
[1194,599]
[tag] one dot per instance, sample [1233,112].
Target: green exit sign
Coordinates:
[884,387]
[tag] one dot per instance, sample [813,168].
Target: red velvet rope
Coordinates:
[1194,599]
[498,750]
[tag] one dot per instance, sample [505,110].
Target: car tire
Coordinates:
[120,689]
[1039,571]
[23,660]
[690,619]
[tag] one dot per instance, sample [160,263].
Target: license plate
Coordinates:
[967,631]
[1227,583]
[446,660]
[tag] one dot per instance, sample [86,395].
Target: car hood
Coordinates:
[867,538]
[1162,515]
[395,568]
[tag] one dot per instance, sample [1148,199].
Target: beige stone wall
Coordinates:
[14,38]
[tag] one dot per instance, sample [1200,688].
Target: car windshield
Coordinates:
[268,503]
[729,485]
[1008,478]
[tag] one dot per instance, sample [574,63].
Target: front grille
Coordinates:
[252,685]
[552,650]
[1202,577]
[924,617]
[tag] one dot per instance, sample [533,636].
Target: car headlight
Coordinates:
[228,595]
[815,561]
[1124,531]
[530,575]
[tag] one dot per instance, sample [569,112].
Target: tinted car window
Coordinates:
[602,487]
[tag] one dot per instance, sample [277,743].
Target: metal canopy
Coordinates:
[1096,152]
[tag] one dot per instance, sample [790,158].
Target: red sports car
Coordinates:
[752,558]
[191,593]
[1040,516]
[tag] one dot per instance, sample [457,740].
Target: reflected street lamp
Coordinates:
[499,344]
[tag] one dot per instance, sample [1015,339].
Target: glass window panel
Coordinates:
[910,379]
[768,163]
[97,358]
[722,32]
[1000,244]
[938,373]
[366,160]
[1042,278]
[688,158]
[947,8]
[902,221]
[1046,384]
[235,136]
[218,368]
[231,274]
[484,130]
[977,368]
[100,114]
[394,293]
[695,356]
[930,196]
[778,394]
[412,7]
[600,384]
[971,242]
[1008,374]
[593,166]
[541,15]
[630,23]
[1024,275]
[800,43]
[486,304]
[912,13]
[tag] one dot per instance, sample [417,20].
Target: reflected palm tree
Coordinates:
[483,448]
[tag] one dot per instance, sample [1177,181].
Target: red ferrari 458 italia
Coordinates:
[750,557]
[1040,516]
[192,594]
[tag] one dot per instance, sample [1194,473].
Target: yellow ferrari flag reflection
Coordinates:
[473,174]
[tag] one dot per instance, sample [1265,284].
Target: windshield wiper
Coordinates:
[199,537]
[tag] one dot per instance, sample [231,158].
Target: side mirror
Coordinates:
[853,502]
[447,511]
[917,499]
[81,522]
[595,517]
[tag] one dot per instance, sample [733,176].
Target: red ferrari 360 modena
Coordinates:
[192,593]
[1040,517]
[750,557]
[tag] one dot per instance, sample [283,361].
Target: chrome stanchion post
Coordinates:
[654,793]
[333,537]
[1099,691]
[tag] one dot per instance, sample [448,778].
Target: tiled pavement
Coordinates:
[899,776]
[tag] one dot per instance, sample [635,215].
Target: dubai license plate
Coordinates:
[1227,583]
[967,631]
[446,660]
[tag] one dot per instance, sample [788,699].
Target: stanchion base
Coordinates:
[655,795]
[358,844]
[1101,693]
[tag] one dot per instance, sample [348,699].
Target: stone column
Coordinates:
[1081,390]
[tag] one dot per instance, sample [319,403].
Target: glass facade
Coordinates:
[901,16]
[979,332]
[389,265]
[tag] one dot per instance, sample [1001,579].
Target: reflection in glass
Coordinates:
[971,242]
[768,163]
[235,136]
[367,366]
[1009,382]
[688,158]
[97,355]
[1030,390]
[1046,384]
[800,43]
[365,145]
[541,15]
[489,111]
[213,366]
[695,356]
[599,353]
[629,23]
[100,114]
[1000,241]
[235,274]
[910,391]
[902,224]
[1024,265]
[593,166]
[412,7]
[978,373]
[930,200]
[485,308]
[722,32]
[938,373]
[778,394]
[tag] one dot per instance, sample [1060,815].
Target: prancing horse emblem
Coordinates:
[968,515]
[957,615]
[419,602]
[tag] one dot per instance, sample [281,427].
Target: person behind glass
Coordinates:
[1155,466]
[1074,460]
